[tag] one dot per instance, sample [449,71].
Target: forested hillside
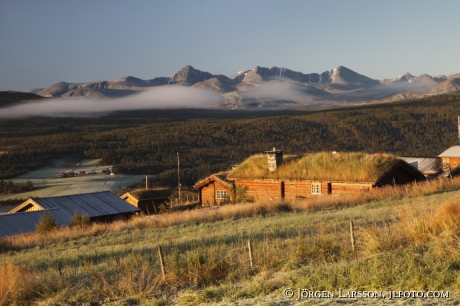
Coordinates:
[11,97]
[211,140]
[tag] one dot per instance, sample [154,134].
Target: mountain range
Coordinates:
[271,87]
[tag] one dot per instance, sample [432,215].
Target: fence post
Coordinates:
[162,264]
[352,237]
[250,253]
[60,272]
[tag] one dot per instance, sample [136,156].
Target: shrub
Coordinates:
[79,221]
[46,224]
[239,194]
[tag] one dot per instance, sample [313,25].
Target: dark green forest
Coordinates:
[146,142]
[10,97]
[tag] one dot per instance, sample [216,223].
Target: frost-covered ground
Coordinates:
[47,182]
[279,300]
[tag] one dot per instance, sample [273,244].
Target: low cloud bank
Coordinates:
[276,91]
[160,97]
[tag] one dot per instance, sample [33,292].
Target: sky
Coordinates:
[44,42]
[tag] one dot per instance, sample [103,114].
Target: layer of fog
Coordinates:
[159,97]
[276,91]
[189,97]
[284,91]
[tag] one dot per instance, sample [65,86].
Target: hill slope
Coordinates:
[10,97]
[145,142]
[405,237]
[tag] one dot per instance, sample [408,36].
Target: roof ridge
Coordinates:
[70,195]
[33,211]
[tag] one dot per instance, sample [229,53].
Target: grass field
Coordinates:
[406,239]
[47,182]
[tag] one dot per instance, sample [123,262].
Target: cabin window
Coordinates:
[221,194]
[316,188]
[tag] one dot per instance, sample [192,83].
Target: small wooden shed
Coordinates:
[450,158]
[147,200]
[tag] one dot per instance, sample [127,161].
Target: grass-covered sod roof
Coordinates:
[353,167]
[142,194]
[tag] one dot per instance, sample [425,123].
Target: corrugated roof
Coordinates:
[26,222]
[94,204]
[451,152]
[426,165]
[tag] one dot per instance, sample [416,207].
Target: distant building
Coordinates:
[450,158]
[147,200]
[429,166]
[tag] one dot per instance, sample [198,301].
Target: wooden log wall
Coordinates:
[298,189]
[208,194]
[273,189]
[451,161]
[350,188]
[261,190]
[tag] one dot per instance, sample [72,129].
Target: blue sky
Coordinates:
[44,42]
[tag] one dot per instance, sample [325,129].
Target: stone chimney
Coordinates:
[275,159]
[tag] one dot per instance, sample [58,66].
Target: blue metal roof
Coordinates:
[26,222]
[96,204]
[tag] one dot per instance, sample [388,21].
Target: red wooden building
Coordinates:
[270,176]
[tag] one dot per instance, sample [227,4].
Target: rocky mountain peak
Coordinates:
[190,75]
[344,76]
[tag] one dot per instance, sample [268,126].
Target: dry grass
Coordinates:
[16,285]
[416,225]
[208,260]
[354,167]
[429,224]
[244,210]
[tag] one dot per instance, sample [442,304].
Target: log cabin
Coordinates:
[215,189]
[272,176]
